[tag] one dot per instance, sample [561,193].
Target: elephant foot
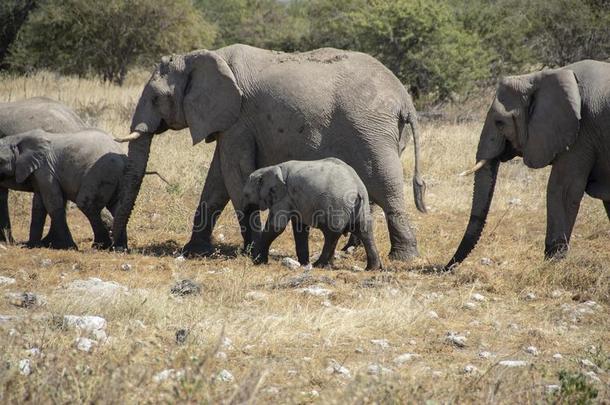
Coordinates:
[403,254]
[321,264]
[6,236]
[373,266]
[63,245]
[195,249]
[556,251]
[102,245]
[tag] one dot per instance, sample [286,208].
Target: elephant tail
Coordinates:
[419,186]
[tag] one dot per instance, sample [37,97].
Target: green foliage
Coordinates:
[86,36]
[13,14]
[575,389]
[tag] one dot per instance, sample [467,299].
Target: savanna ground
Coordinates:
[282,340]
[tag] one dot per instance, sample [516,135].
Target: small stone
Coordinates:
[186,287]
[551,388]
[46,263]
[96,288]
[126,267]
[221,237]
[359,350]
[313,394]
[470,369]
[290,263]
[470,305]
[485,355]
[327,304]
[6,280]
[513,326]
[486,261]
[432,315]
[316,291]
[530,296]
[514,201]
[412,342]
[478,297]
[292,373]
[181,335]
[84,344]
[557,356]
[592,349]
[25,367]
[350,250]
[556,294]
[34,352]
[404,358]
[357,269]
[588,364]
[256,296]
[221,356]
[336,368]
[307,267]
[167,374]
[23,300]
[180,259]
[591,304]
[377,369]
[455,339]
[533,350]
[227,343]
[382,343]
[225,376]
[85,323]
[593,375]
[513,363]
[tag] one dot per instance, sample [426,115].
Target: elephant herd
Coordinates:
[313,137]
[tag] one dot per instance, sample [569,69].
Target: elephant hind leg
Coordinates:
[331,238]
[607,206]
[6,234]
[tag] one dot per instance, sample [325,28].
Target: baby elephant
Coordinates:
[84,167]
[325,194]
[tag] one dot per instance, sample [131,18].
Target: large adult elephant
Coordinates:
[558,117]
[265,107]
[25,115]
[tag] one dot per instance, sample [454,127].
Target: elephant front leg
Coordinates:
[300,232]
[214,198]
[564,193]
[39,216]
[276,224]
[6,234]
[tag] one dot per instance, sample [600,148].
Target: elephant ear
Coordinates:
[212,99]
[554,117]
[272,188]
[32,153]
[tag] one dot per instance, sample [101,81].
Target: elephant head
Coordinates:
[197,90]
[264,188]
[536,116]
[21,156]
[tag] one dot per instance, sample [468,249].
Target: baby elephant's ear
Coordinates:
[272,189]
[33,153]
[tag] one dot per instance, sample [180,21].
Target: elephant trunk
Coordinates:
[139,151]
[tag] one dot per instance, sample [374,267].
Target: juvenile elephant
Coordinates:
[264,108]
[84,167]
[325,194]
[558,117]
[25,115]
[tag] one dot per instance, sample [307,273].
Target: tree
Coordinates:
[13,14]
[82,37]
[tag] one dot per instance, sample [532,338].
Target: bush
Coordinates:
[82,37]
[13,14]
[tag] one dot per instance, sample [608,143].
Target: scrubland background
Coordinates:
[388,330]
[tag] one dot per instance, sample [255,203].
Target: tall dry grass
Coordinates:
[284,340]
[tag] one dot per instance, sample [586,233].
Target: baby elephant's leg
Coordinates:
[301,240]
[39,216]
[101,234]
[59,236]
[365,233]
[328,250]
[276,224]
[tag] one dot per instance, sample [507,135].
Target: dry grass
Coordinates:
[283,343]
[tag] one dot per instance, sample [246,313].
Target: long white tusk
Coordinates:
[476,168]
[132,137]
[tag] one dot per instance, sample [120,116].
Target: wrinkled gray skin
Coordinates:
[558,117]
[84,167]
[264,108]
[325,194]
[25,115]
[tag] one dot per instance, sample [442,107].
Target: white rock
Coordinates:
[256,296]
[313,394]
[96,287]
[588,363]
[592,349]
[477,297]
[85,345]
[557,356]
[85,323]
[290,263]
[226,342]
[350,250]
[359,350]
[221,237]
[292,373]
[533,350]
[485,355]
[221,356]
[167,374]
[412,342]
[99,335]
[180,259]
[226,376]
[551,388]
[327,304]
[556,294]
[470,369]
[377,369]
[336,368]
[455,339]
[25,367]
[404,358]
[486,261]
[590,303]
[432,315]
[316,291]
[357,268]
[530,296]
[382,343]
[470,305]
[307,267]
[34,352]
[513,363]
[6,280]
[126,267]
[593,375]
[46,262]
[514,201]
